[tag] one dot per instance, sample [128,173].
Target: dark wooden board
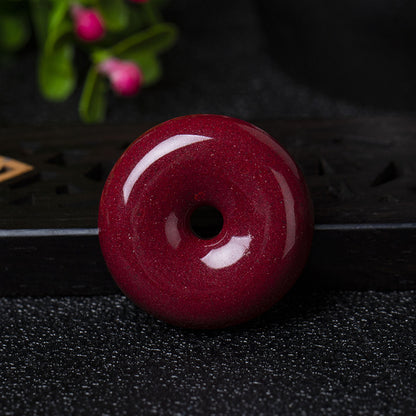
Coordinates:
[361,173]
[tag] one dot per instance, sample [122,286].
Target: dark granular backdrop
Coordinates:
[346,353]
[332,353]
[222,64]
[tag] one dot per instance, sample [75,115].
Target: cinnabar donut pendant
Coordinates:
[205,221]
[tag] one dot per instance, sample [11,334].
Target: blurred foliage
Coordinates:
[133,31]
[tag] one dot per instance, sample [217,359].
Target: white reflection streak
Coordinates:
[289,210]
[162,149]
[228,254]
[171,230]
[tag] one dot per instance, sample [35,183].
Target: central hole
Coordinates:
[206,222]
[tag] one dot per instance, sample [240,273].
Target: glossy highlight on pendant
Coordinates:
[205,221]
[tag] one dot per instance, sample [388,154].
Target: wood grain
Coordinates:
[361,173]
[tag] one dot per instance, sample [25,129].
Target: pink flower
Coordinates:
[88,23]
[125,76]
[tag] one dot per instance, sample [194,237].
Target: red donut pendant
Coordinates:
[205,221]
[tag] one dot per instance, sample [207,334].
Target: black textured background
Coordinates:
[221,64]
[344,353]
[323,353]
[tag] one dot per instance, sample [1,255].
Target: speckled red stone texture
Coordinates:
[147,240]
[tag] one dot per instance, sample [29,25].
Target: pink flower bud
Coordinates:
[88,23]
[125,76]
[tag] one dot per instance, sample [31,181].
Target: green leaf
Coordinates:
[115,14]
[151,68]
[14,32]
[154,40]
[56,73]
[93,104]
[149,65]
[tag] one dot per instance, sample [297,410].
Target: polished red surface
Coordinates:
[146,236]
